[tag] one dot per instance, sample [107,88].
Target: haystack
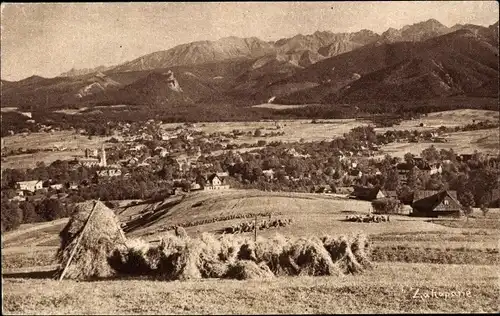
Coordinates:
[349,254]
[229,256]
[248,270]
[292,256]
[96,236]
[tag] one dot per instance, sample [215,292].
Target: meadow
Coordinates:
[294,130]
[408,254]
[66,145]
[484,141]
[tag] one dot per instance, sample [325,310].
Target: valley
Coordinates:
[246,158]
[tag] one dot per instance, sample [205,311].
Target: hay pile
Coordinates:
[236,257]
[101,236]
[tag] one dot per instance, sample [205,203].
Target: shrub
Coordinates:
[386,206]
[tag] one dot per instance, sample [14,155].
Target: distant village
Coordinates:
[140,160]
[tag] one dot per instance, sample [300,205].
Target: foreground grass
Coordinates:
[28,259]
[385,289]
[487,256]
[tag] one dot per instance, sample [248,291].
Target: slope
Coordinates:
[455,63]
[199,53]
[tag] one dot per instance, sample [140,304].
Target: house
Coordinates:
[435,168]
[214,179]
[56,186]
[430,168]
[435,204]
[31,186]
[109,173]
[214,182]
[91,153]
[195,186]
[366,193]
[89,162]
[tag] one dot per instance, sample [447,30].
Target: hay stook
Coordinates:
[94,237]
[235,257]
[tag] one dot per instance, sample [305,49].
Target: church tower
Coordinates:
[103,158]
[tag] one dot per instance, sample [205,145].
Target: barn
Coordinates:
[435,204]
[366,193]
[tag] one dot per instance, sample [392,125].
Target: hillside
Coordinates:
[200,53]
[462,62]
[422,61]
[416,32]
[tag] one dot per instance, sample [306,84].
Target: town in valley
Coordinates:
[333,172]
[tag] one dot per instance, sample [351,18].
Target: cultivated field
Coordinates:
[409,254]
[445,118]
[484,141]
[73,143]
[294,130]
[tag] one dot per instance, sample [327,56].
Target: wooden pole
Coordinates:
[73,252]
[255,230]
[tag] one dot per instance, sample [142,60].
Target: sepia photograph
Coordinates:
[247,157]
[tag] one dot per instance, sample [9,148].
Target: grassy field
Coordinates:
[388,288]
[409,254]
[484,141]
[74,143]
[445,118]
[294,129]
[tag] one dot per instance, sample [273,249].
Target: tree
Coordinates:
[50,209]
[29,212]
[482,182]
[386,206]
[466,198]
[405,194]
[412,178]
[261,143]
[12,215]
[430,154]
[408,158]
[392,180]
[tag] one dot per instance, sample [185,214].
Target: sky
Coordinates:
[47,39]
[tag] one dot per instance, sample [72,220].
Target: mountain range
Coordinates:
[420,61]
